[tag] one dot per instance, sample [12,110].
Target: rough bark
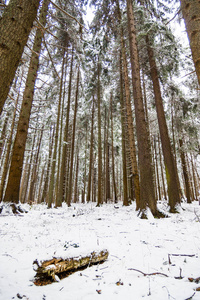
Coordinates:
[69,196]
[124,172]
[171,174]
[185,172]
[191,13]
[113,157]
[99,198]
[147,188]
[130,127]
[15,26]
[13,186]
[91,156]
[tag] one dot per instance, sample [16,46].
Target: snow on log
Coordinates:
[52,268]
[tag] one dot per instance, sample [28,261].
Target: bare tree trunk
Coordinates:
[6,162]
[15,26]
[112,149]
[69,196]
[125,185]
[62,186]
[99,199]
[185,172]
[91,155]
[2,137]
[147,187]
[191,13]
[53,168]
[171,174]
[13,186]
[46,181]
[130,127]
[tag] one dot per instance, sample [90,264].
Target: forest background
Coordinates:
[101,112]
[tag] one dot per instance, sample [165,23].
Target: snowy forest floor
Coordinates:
[145,245]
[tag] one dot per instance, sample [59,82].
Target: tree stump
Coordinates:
[48,271]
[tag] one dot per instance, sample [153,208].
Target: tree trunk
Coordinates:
[185,172]
[62,186]
[191,13]
[99,199]
[112,149]
[13,186]
[91,156]
[130,127]
[15,26]
[147,187]
[125,185]
[171,174]
[53,168]
[69,196]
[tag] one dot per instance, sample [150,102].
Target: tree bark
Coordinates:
[130,127]
[69,196]
[99,198]
[147,187]
[91,155]
[13,186]
[15,26]
[171,174]
[124,176]
[191,13]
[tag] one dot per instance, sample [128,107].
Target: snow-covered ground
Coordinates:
[145,245]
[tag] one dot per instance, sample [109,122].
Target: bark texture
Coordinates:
[191,13]
[171,174]
[15,26]
[147,189]
[13,186]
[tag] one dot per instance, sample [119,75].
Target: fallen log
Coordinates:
[55,267]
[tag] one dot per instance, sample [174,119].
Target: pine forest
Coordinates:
[99,105]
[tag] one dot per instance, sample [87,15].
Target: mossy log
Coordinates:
[52,268]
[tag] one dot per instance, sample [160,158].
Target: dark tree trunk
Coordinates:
[147,188]
[171,174]
[13,186]
[191,13]
[15,26]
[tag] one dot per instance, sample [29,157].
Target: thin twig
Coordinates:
[67,14]
[173,17]
[148,274]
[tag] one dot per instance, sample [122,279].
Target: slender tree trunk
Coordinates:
[156,166]
[34,170]
[15,26]
[6,162]
[161,168]
[62,186]
[131,135]
[76,198]
[185,172]
[99,198]
[13,186]
[69,196]
[107,167]
[2,137]
[147,187]
[125,185]
[191,13]
[112,149]
[171,174]
[53,168]
[46,181]
[91,155]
